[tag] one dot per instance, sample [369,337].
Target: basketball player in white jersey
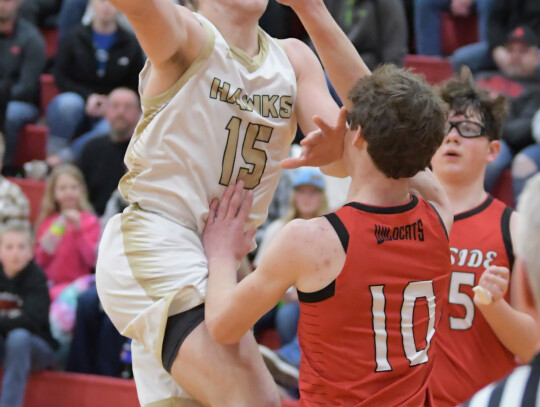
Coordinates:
[221,100]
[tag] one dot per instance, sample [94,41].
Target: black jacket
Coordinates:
[25,302]
[22,59]
[76,68]
[102,164]
[377,28]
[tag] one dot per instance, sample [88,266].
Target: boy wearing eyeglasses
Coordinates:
[478,341]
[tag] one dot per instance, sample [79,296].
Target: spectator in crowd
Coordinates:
[73,12]
[519,80]
[96,344]
[377,28]
[102,159]
[14,205]
[527,161]
[91,62]
[504,17]
[67,229]
[26,343]
[22,59]
[520,388]
[427,21]
[41,12]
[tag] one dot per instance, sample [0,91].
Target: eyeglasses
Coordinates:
[465,128]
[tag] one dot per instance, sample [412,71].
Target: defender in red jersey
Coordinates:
[370,276]
[476,343]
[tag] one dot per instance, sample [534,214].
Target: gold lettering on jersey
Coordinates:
[474,258]
[413,231]
[267,106]
[222,90]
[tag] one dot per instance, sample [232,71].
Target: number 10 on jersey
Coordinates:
[412,292]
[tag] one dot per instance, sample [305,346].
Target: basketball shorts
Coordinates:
[149,269]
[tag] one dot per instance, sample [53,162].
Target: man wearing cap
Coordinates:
[520,57]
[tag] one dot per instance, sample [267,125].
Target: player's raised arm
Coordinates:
[338,55]
[426,185]
[169,34]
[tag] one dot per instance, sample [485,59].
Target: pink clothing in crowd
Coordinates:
[75,255]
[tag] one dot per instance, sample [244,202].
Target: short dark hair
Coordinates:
[465,98]
[401,118]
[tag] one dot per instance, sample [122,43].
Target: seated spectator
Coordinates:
[504,17]
[377,29]
[520,83]
[527,162]
[520,388]
[25,339]
[91,62]
[67,230]
[96,344]
[14,205]
[42,13]
[22,59]
[427,18]
[102,158]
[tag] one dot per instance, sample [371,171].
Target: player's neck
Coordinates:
[373,188]
[464,197]
[238,30]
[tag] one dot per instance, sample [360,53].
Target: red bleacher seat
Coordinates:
[61,389]
[34,190]
[32,144]
[48,91]
[435,69]
[51,41]
[457,32]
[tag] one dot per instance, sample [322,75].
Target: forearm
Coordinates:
[516,330]
[220,319]
[339,57]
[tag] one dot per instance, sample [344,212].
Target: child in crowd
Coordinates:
[67,230]
[26,343]
[13,203]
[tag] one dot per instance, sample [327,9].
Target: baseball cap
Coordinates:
[308,176]
[523,34]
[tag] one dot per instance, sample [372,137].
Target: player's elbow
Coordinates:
[220,331]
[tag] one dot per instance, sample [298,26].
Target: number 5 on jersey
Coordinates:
[254,157]
[413,291]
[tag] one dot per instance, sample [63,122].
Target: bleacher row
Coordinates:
[59,389]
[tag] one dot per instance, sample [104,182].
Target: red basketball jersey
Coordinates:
[366,337]
[469,355]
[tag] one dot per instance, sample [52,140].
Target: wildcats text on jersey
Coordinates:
[266,105]
[413,231]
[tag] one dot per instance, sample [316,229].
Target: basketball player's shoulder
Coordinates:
[300,55]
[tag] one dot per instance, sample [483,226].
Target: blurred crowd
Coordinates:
[95,61]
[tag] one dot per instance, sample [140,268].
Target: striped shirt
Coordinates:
[519,388]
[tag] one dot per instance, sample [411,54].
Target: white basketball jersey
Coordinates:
[229,117]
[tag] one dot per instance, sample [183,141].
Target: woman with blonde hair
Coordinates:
[67,229]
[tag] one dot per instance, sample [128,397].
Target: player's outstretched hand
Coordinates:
[323,146]
[494,280]
[224,235]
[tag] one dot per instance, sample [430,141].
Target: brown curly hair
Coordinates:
[465,98]
[401,118]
